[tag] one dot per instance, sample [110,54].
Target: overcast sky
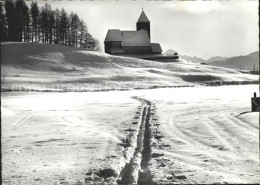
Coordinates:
[195,28]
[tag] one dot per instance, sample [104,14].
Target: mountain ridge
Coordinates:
[216,58]
[194,59]
[246,62]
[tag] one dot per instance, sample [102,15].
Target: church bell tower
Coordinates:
[143,23]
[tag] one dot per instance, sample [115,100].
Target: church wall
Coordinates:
[112,44]
[116,44]
[107,47]
[137,49]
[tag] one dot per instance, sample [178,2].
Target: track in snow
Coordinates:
[136,172]
[136,153]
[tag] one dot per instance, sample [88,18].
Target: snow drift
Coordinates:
[49,65]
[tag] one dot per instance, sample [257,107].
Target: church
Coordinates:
[118,42]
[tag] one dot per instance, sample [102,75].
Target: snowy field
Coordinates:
[54,138]
[208,135]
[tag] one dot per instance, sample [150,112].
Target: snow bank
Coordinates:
[28,65]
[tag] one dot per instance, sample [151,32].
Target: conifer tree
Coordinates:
[10,19]
[21,11]
[3,26]
[28,24]
[35,12]
[63,27]
[56,32]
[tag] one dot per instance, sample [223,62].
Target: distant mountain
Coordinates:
[217,58]
[246,62]
[193,59]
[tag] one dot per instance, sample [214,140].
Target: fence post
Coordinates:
[254,103]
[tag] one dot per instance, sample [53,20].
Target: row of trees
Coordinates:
[23,23]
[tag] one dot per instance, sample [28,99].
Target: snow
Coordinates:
[53,138]
[135,38]
[59,137]
[249,117]
[209,141]
[128,38]
[209,134]
[113,35]
[43,66]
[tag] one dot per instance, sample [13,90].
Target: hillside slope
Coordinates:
[47,66]
[244,62]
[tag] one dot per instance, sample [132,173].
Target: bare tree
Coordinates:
[97,45]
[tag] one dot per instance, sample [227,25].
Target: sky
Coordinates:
[196,28]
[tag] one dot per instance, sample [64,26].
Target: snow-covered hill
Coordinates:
[49,66]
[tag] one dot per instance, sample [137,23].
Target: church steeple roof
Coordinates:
[143,17]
